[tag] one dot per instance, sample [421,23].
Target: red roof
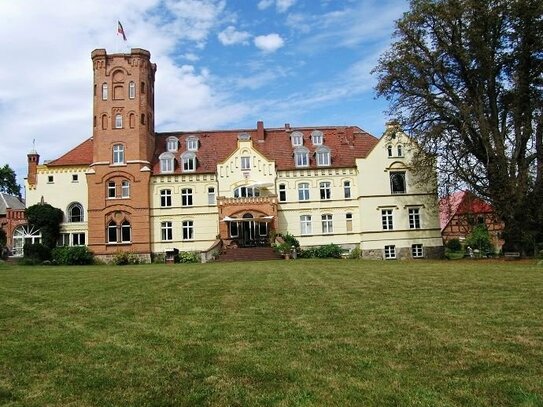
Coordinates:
[459,203]
[345,144]
[80,155]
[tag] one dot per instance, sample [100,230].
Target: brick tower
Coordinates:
[123,148]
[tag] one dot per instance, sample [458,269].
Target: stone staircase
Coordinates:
[249,254]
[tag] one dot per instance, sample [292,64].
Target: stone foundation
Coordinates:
[144,258]
[404,253]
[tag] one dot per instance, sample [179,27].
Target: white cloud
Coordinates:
[264,4]
[189,56]
[230,36]
[284,5]
[269,43]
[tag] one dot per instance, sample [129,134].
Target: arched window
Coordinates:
[172,144]
[131,90]
[323,156]
[192,143]
[104,122]
[132,120]
[301,157]
[167,162]
[126,232]
[24,234]
[389,150]
[297,139]
[112,232]
[317,137]
[75,212]
[118,121]
[399,149]
[189,162]
[397,182]
[104,91]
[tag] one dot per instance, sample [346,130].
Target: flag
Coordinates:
[120,30]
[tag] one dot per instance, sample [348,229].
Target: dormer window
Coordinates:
[172,144]
[297,139]
[192,143]
[189,162]
[317,137]
[323,156]
[167,161]
[301,157]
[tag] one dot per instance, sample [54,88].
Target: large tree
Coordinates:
[8,181]
[465,79]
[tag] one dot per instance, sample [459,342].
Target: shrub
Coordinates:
[189,257]
[479,238]
[355,253]
[36,253]
[322,252]
[454,245]
[125,258]
[291,240]
[75,255]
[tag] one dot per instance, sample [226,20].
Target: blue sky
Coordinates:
[222,64]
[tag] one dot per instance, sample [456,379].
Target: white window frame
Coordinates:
[189,162]
[245,162]
[118,154]
[172,144]
[349,222]
[211,196]
[186,197]
[325,189]
[301,157]
[78,239]
[118,121]
[165,198]
[303,191]
[112,190]
[166,231]
[327,224]
[71,217]
[282,189]
[188,230]
[317,137]
[167,162]
[297,139]
[104,91]
[417,251]
[414,218]
[305,225]
[132,90]
[125,189]
[389,252]
[192,143]
[347,191]
[387,219]
[323,157]
[125,224]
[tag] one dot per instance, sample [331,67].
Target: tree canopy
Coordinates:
[47,219]
[8,181]
[464,77]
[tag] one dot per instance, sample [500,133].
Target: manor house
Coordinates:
[129,188]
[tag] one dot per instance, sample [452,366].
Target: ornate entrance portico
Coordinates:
[247,222]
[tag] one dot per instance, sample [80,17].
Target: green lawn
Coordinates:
[285,333]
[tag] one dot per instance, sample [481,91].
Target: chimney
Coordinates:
[33,161]
[260,130]
[287,127]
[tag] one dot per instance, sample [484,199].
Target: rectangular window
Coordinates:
[186,197]
[188,230]
[131,90]
[78,239]
[417,251]
[118,154]
[263,229]
[349,222]
[302,159]
[111,189]
[118,121]
[323,158]
[50,179]
[303,191]
[189,163]
[386,218]
[234,230]
[166,231]
[75,178]
[126,232]
[325,188]
[327,225]
[397,182]
[390,252]
[282,193]
[414,218]
[112,233]
[347,189]
[125,189]
[165,198]
[166,164]
[305,224]
[64,239]
[211,195]
[245,163]
[104,91]
[192,144]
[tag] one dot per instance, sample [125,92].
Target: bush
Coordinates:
[291,240]
[322,252]
[479,238]
[36,253]
[454,245]
[125,258]
[355,253]
[189,257]
[75,255]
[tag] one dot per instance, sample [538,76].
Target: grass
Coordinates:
[280,333]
